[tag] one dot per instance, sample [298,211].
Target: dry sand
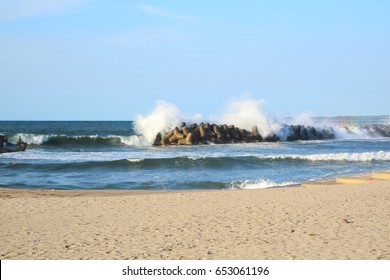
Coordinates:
[324,220]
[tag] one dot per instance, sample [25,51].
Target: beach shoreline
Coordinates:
[331,219]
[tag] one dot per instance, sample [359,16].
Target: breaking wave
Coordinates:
[205,162]
[81,140]
[257,184]
[355,157]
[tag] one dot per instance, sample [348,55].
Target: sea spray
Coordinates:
[163,117]
[246,114]
[241,113]
[305,119]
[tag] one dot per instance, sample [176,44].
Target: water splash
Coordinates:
[164,117]
[248,113]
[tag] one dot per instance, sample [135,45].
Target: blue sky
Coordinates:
[111,60]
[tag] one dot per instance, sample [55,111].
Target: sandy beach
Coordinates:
[325,220]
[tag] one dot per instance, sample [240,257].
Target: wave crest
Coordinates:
[80,140]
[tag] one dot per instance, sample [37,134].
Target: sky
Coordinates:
[112,60]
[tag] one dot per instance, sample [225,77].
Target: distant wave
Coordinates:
[222,162]
[190,162]
[81,140]
[356,157]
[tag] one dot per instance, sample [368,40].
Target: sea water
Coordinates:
[115,155]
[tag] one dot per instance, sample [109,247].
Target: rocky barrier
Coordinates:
[205,133]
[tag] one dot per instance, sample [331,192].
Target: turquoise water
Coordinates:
[111,155]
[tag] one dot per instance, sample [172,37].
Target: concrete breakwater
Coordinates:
[205,133]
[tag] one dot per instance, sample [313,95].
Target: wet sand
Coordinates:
[331,219]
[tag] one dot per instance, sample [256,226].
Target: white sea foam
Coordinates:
[353,132]
[135,159]
[305,119]
[355,157]
[133,140]
[31,139]
[246,114]
[257,184]
[163,118]
[241,113]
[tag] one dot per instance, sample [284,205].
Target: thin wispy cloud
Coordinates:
[18,9]
[157,11]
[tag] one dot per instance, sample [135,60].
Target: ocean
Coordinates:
[112,155]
